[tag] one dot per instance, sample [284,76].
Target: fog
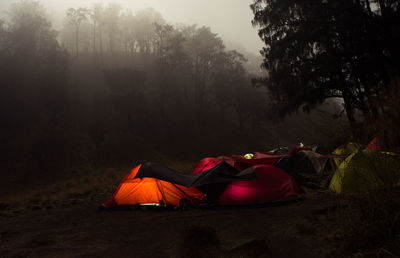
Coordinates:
[230,19]
[101,86]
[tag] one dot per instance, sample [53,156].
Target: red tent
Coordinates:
[225,180]
[272,183]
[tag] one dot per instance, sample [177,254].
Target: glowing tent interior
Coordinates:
[222,180]
[133,190]
[257,178]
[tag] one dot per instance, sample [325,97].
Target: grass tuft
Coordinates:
[102,182]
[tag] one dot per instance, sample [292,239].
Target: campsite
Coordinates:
[186,128]
[151,220]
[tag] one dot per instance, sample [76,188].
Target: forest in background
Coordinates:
[114,87]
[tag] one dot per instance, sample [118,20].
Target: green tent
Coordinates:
[364,170]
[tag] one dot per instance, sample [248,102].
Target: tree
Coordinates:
[95,15]
[33,66]
[111,19]
[203,49]
[232,89]
[144,29]
[75,18]
[322,49]
[163,33]
[127,88]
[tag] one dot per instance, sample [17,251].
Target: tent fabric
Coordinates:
[305,167]
[373,145]
[272,184]
[238,162]
[366,170]
[342,152]
[212,174]
[215,190]
[282,161]
[305,161]
[224,180]
[133,190]
[207,163]
[297,149]
[230,160]
[258,159]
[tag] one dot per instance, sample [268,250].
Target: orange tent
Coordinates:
[151,191]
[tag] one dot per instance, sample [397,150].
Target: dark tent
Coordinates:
[211,182]
[220,173]
[304,166]
[233,180]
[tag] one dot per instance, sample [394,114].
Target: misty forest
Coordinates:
[112,87]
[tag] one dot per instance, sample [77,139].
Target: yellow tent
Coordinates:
[364,170]
[344,151]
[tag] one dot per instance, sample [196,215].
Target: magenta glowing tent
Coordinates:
[237,161]
[272,184]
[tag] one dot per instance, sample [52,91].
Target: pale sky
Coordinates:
[230,19]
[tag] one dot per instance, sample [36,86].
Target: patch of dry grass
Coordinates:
[100,181]
[92,182]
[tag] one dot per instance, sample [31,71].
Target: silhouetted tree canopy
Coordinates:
[315,50]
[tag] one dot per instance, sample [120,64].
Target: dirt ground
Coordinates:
[76,229]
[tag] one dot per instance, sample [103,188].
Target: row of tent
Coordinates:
[364,169]
[257,178]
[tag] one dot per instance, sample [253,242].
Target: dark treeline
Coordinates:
[316,50]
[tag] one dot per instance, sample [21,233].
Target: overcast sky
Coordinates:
[231,19]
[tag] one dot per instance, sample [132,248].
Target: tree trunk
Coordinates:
[368,7]
[382,8]
[348,106]
[77,41]
[94,37]
[100,45]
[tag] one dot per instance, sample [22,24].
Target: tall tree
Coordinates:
[95,15]
[111,19]
[316,50]
[203,48]
[33,66]
[75,18]
[144,29]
